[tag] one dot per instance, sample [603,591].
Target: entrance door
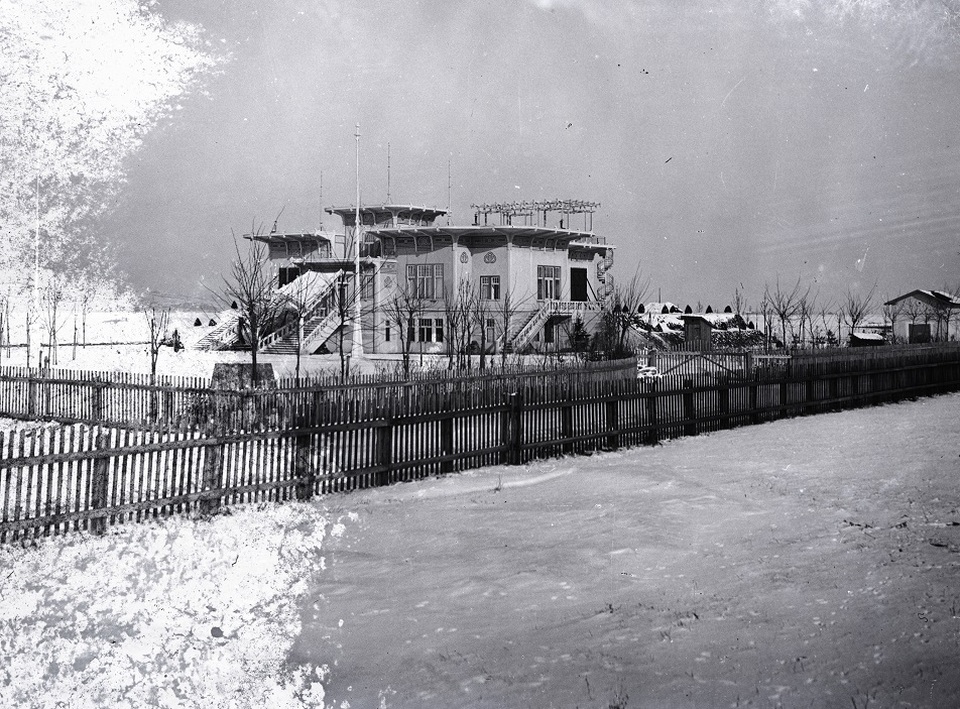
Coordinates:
[578,284]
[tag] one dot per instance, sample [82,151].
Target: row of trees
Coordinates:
[42,314]
[802,318]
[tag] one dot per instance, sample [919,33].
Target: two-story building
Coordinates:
[519,276]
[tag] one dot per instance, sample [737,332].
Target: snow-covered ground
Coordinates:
[806,562]
[182,613]
[810,562]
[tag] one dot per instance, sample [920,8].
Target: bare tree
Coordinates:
[299,299]
[622,306]
[480,314]
[402,312]
[456,309]
[157,320]
[892,310]
[252,287]
[824,311]
[784,304]
[739,301]
[52,297]
[855,307]
[806,308]
[506,310]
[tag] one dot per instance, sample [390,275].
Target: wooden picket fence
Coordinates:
[56,478]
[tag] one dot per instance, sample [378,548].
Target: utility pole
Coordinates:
[357,349]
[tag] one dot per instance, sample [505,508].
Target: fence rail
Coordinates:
[86,477]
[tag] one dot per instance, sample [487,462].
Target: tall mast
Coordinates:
[357,349]
[388,173]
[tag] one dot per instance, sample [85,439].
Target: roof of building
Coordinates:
[937,298]
[562,238]
[387,210]
[279,238]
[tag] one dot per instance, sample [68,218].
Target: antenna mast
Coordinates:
[388,173]
[449,188]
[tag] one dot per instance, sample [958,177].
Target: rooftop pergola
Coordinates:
[536,212]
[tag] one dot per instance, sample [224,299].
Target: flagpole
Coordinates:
[357,349]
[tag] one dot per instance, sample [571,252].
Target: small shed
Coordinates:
[697,332]
[866,339]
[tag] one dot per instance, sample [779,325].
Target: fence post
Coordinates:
[754,397]
[99,479]
[724,394]
[512,430]
[212,470]
[384,443]
[784,396]
[97,402]
[612,412]
[32,394]
[689,414]
[305,472]
[653,430]
[446,435]
[834,387]
[566,423]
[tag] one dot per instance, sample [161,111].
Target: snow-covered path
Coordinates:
[807,562]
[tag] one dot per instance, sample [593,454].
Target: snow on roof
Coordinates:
[868,336]
[938,297]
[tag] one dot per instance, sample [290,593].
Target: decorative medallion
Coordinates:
[387,282]
[463,257]
[489,257]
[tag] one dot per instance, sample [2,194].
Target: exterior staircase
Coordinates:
[319,322]
[225,335]
[521,336]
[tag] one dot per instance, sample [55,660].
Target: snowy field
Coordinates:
[804,563]
[118,343]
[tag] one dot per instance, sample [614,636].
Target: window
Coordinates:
[548,282]
[386,332]
[366,286]
[426,330]
[425,280]
[490,287]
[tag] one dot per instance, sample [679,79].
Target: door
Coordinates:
[578,284]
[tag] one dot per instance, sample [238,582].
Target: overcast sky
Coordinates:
[727,142]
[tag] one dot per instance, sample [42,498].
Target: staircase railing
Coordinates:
[216,337]
[315,306]
[547,310]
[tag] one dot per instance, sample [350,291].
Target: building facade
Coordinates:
[519,278]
